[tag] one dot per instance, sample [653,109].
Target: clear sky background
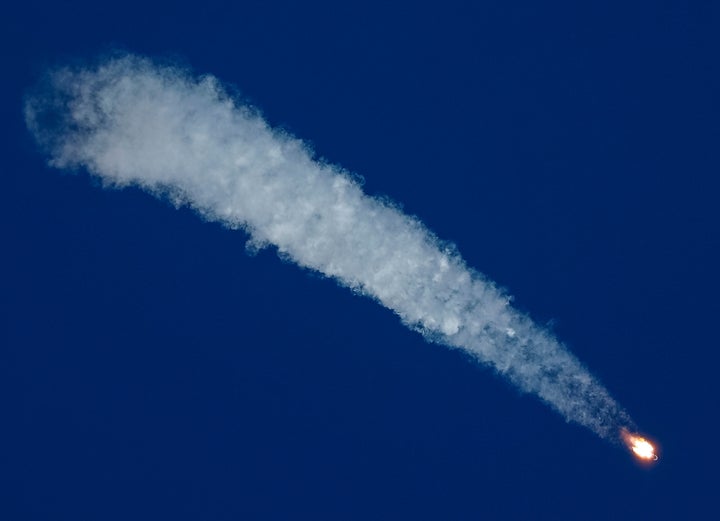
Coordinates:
[151,369]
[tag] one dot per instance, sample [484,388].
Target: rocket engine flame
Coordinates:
[641,447]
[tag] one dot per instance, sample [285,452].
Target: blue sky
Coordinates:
[150,368]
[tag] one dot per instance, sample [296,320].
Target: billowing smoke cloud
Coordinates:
[130,121]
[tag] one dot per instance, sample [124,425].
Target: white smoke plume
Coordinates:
[131,121]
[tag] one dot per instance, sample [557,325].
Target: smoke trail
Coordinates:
[133,122]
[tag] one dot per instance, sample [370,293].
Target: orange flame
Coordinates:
[639,446]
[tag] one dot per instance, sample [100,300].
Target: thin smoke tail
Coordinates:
[132,122]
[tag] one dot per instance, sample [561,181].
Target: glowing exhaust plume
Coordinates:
[639,446]
[130,121]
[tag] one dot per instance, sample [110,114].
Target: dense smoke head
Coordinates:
[73,109]
[130,121]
